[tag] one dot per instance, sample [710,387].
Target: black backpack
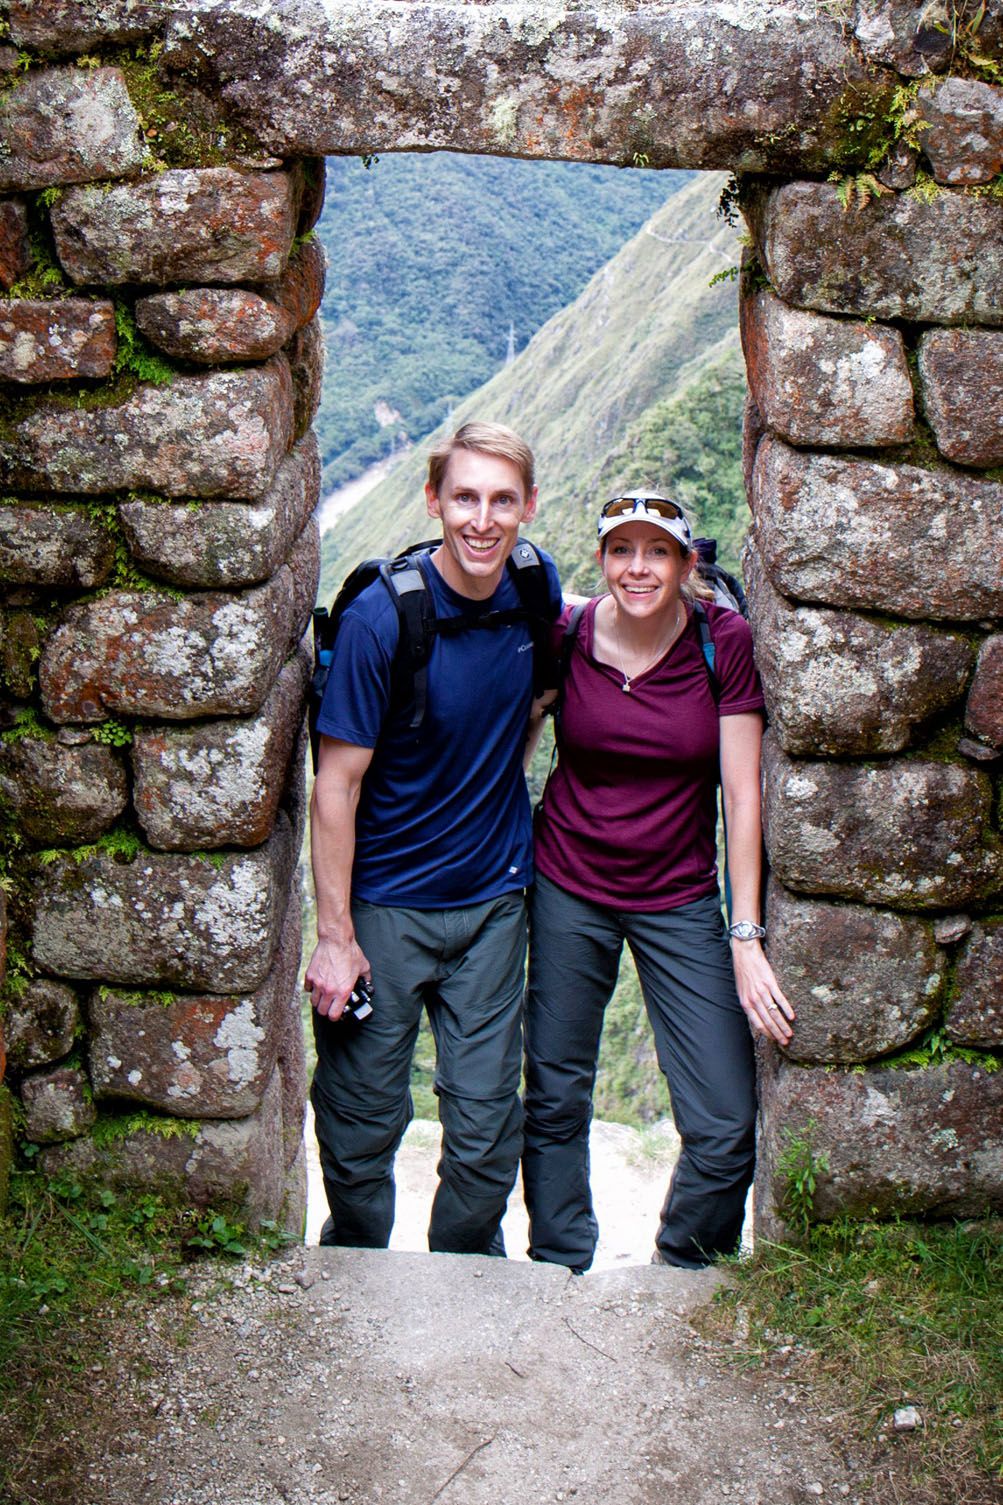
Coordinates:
[404,577]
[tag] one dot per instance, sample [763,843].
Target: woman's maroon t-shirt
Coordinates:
[629,816]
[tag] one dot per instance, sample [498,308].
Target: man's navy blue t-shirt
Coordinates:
[443,817]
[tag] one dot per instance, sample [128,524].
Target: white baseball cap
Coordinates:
[646,507]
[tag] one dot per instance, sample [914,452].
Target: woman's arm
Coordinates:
[759,993]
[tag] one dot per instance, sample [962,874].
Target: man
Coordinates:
[422,850]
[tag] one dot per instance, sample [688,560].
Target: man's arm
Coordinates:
[337,961]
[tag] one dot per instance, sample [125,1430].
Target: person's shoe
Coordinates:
[658,1258]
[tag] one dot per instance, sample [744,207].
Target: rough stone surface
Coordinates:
[312,180]
[53,544]
[301,287]
[164,921]
[221,434]
[896,539]
[304,565]
[214,325]
[902,35]
[292,1218]
[231,1163]
[140,653]
[56,1106]
[226,544]
[746,86]
[293,1071]
[900,257]
[67,125]
[68,26]
[962,134]
[41,1023]
[976,1014]
[837,683]
[863,981]
[61,796]
[306,362]
[907,833]
[823,381]
[20,647]
[197,1056]
[984,711]
[753,429]
[219,783]
[211,224]
[962,375]
[15,250]
[900,167]
[912,1143]
[56,341]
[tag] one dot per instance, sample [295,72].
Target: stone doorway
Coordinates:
[160,563]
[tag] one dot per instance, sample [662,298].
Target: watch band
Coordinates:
[745,930]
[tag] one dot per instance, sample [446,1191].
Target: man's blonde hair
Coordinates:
[487,439]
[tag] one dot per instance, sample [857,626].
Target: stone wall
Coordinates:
[874,450]
[160,370]
[160,367]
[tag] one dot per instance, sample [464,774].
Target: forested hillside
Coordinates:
[433,260]
[639,381]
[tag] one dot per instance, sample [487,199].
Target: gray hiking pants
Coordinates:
[466,967]
[704,1048]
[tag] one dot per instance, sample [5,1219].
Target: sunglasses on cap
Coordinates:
[624,506]
[641,507]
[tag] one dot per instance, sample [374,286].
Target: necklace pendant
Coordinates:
[625,687]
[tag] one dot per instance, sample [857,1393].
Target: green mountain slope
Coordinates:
[432,259]
[639,381]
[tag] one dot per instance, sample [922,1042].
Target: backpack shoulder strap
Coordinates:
[707,648]
[529,576]
[568,637]
[405,580]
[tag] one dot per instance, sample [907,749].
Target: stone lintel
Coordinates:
[751,87]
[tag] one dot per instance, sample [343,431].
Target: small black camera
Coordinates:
[360,1001]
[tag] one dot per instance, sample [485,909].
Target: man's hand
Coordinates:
[334,969]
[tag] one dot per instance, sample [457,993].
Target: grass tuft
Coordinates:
[879,1316]
[78,1262]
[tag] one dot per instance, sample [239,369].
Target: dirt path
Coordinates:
[360,1377]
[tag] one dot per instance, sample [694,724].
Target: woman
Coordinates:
[626,851]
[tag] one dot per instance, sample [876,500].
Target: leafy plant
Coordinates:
[857,188]
[726,274]
[134,354]
[112,733]
[217,1235]
[798,1170]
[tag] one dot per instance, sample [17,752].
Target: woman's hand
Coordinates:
[766,1008]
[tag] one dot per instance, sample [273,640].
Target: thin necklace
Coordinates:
[676,629]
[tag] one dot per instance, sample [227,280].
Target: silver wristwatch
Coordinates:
[745,930]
